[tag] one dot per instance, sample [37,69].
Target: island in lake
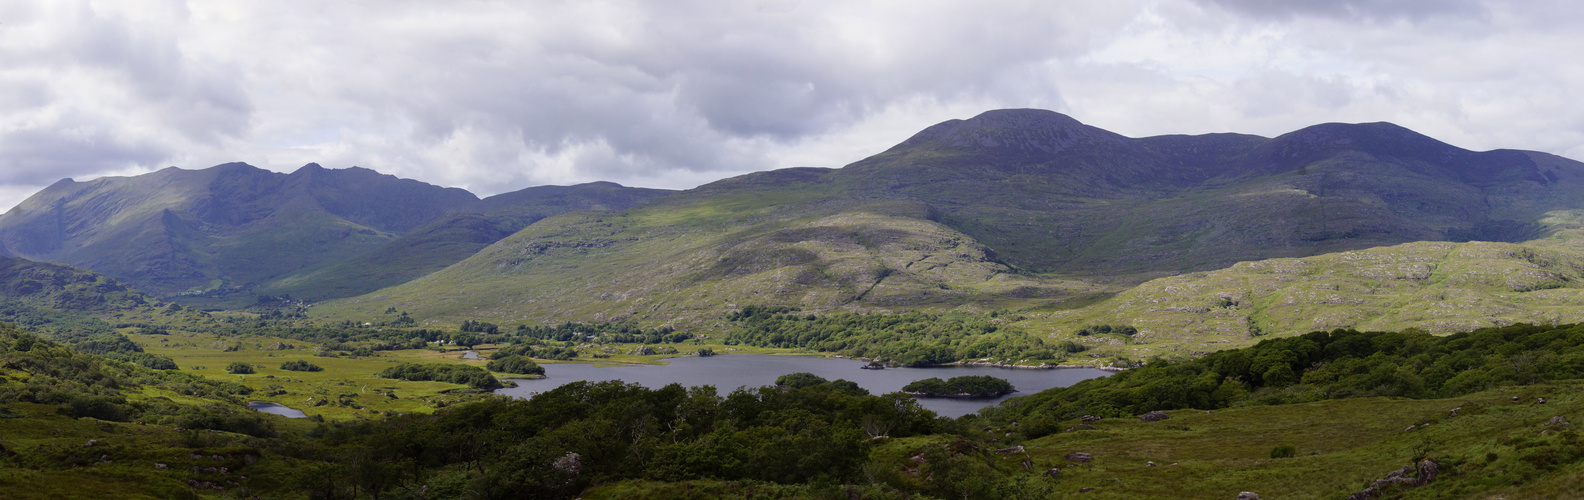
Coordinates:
[970,386]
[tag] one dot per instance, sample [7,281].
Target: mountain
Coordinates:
[217,236]
[1011,208]
[453,237]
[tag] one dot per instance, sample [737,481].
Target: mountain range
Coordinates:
[223,235]
[1018,208]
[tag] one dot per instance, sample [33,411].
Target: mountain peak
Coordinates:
[1028,130]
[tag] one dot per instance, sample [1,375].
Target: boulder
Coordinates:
[1079,457]
[1247,495]
[1014,449]
[1052,473]
[1154,416]
[1089,418]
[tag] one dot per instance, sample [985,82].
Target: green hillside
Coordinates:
[1437,287]
[451,238]
[770,238]
[1010,209]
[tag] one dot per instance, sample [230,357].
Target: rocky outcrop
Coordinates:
[1154,416]
[1399,479]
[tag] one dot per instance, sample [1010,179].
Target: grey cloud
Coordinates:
[43,156]
[1370,10]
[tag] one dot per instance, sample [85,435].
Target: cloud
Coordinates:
[495,96]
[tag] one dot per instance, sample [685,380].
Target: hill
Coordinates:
[214,237]
[1438,287]
[453,237]
[218,229]
[1009,209]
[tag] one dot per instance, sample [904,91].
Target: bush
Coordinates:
[971,385]
[515,364]
[239,368]
[471,376]
[799,380]
[300,366]
[1284,451]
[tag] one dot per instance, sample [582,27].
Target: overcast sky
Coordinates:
[497,96]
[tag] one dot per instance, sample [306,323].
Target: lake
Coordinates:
[730,371]
[282,410]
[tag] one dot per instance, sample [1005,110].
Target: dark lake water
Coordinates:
[730,371]
[285,411]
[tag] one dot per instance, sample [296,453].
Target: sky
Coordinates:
[495,96]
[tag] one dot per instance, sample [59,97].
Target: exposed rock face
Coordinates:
[1154,416]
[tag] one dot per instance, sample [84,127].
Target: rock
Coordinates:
[1085,489]
[1089,418]
[91,443]
[1053,473]
[1559,420]
[1154,416]
[570,463]
[1515,399]
[1014,449]
[1080,427]
[1247,495]
[1149,464]
[1410,428]
[1079,457]
[161,466]
[1427,472]
[1539,401]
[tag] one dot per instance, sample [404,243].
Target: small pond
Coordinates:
[730,371]
[470,355]
[282,410]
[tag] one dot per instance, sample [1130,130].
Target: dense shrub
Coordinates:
[472,376]
[239,368]
[909,339]
[300,366]
[1324,365]
[984,386]
[514,364]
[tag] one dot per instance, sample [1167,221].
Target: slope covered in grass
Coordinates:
[1437,287]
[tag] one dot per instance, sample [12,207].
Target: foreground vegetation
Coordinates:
[1316,416]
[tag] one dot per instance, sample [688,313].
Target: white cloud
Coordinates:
[495,96]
